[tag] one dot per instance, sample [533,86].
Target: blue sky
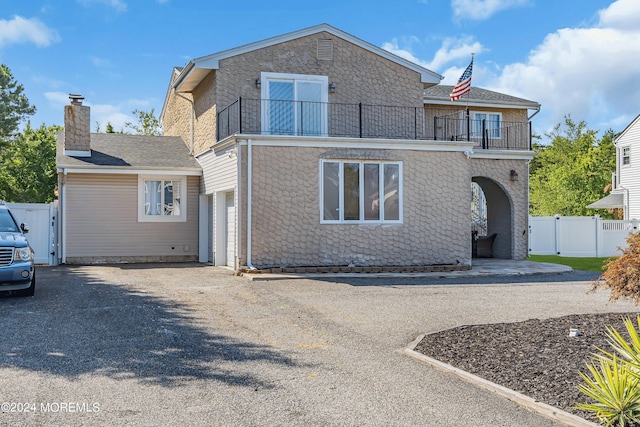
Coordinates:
[575,57]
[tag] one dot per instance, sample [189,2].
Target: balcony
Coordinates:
[305,118]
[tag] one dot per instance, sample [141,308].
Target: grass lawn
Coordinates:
[589,264]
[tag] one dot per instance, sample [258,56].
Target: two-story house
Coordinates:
[320,150]
[625,182]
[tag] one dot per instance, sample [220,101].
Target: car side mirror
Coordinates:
[24,227]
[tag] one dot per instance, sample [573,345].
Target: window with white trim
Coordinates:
[492,123]
[294,104]
[625,155]
[162,198]
[355,191]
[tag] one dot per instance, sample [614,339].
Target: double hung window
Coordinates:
[625,153]
[294,104]
[361,191]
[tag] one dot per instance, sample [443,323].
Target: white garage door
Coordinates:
[231,229]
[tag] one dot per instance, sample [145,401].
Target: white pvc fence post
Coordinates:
[557,230]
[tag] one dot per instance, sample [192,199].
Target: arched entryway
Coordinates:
[492,213]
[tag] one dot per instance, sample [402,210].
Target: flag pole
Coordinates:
[469,92]
[469,118]
[463,87]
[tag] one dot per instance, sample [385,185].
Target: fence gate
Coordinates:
[42,219]
[542,235]
[579,236]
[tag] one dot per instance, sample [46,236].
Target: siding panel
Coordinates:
[102,220]
[630,174]
[220,170]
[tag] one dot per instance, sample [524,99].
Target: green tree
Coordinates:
[28,166]
[572,171]
[147,123]
[14,106]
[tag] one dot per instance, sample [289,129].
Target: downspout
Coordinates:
[530,128]
[239,200]
[63,209]
[625,204]
[249,190]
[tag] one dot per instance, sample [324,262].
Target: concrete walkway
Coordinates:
[193,345]
[480,267]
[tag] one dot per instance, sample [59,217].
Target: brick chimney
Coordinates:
[77,139]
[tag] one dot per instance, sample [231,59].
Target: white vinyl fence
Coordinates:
[578,236]
[42,221]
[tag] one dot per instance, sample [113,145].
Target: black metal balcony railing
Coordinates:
[305,118]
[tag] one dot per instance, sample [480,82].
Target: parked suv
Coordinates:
[17,271]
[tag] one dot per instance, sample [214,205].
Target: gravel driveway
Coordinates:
[194,345]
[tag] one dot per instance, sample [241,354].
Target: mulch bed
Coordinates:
[537,358]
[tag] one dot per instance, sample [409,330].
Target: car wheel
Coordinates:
[30,291]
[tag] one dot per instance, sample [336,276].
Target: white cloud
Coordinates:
[118,5]
[21,30]
[452,49]
[106,113]
[455,49]
[57,98]
[623,14]
[588,73]
[99,62]
[102,113]
[482,9]
[405,53]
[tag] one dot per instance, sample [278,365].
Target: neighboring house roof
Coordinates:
[477,98]
[629,126]
[613,200]
[131,152]
[197,69]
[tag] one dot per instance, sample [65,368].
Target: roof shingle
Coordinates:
[130,151]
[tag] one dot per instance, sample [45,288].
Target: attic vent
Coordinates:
[325,49]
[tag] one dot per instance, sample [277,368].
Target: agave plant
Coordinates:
[627,350]
[614,384]
[615,388]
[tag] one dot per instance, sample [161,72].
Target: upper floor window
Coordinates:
[361,191]
[294,104]
[626,155]
[491,123]
[162,198]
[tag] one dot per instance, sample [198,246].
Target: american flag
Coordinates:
[464,83]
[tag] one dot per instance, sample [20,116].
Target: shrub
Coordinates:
[614,384]
[615,390]
[622,273]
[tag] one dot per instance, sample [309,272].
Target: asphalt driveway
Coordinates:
[195,345]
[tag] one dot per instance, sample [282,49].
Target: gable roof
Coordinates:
[626,129]
[197,69]
[478,97]
[125,153]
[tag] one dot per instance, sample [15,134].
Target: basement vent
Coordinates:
[325,49]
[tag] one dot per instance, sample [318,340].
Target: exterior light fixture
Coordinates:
[332,87]
[514,175]
[258,83]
